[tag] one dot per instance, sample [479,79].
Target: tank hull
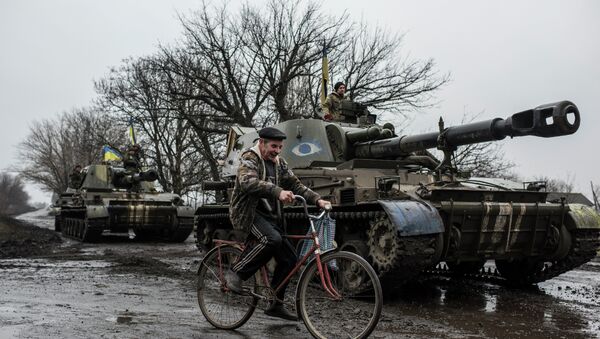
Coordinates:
[101,206]
[463,227]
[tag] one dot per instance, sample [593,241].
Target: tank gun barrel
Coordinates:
[366,134]
[149,175]
[124,179]
[550,120]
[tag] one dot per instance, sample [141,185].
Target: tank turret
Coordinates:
[315,141]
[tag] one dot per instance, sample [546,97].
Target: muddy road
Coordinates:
[121,288]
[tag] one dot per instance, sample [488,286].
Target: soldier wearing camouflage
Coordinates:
[131,160]
[75,177]
[332,107]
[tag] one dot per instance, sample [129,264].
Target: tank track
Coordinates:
[204,237]
[399,259]
[185,226]
[585,246]
[82,229]
[211,230]
[179,233]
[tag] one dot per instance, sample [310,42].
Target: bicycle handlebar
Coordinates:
[325,210]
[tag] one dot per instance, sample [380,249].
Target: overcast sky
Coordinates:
[503,57]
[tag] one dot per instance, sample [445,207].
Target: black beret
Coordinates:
[271,133]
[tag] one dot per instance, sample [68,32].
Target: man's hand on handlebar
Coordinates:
[286,196]
[324,204]
[321,203]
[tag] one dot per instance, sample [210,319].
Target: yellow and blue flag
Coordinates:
[109,153]
[131,131]
[324,74]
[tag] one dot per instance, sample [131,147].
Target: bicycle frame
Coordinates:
[315,249]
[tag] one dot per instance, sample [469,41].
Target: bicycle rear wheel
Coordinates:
[221,307]
[355,313]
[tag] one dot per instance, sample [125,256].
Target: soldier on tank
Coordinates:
[263,182]
[75,177]
[131,160]
[332,107]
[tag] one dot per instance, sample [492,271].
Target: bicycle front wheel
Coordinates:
[351,306]
[220,306]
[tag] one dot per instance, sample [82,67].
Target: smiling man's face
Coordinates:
[270,149]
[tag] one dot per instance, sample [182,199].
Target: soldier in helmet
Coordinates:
[75,177]
[131,160]
[263,182]
[332,107]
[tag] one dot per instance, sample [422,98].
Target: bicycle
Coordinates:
[337,291]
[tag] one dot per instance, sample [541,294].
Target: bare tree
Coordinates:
[254,67]
[262,65]
[566,185]
[13,198]
[379,74]
[287,39]
[215,63]
[54,146]
[596,195]
[481,159]
[139,90]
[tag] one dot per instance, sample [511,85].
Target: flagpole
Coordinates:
[324,74]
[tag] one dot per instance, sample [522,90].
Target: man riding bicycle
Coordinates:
[263,182]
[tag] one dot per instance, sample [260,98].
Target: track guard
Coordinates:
[585,217]
[185,211]
[413,217]
[96,211]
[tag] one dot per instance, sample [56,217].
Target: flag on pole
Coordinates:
[109,153]
[131,131]
[324,75]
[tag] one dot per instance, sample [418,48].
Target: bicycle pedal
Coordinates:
[256,295]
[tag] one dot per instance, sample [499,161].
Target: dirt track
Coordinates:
[126,289]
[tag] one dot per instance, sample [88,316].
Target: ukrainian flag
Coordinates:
[109,153]
[131,132]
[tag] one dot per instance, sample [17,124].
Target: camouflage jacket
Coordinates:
[333,106]
[75,180]
[250,187]
[132,162]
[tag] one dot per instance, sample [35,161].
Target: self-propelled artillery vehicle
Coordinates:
[116,200]
[405,211]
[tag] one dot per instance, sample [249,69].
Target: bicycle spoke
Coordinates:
[209,269]
[221,307]
[354,311]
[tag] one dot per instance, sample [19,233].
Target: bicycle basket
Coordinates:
[325,228]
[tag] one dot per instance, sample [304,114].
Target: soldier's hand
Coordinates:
[286,196]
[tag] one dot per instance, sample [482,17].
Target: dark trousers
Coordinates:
[263,243]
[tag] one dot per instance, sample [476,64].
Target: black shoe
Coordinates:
[277,310]
[234,282]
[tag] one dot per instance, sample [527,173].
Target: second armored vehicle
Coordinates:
[113,199]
